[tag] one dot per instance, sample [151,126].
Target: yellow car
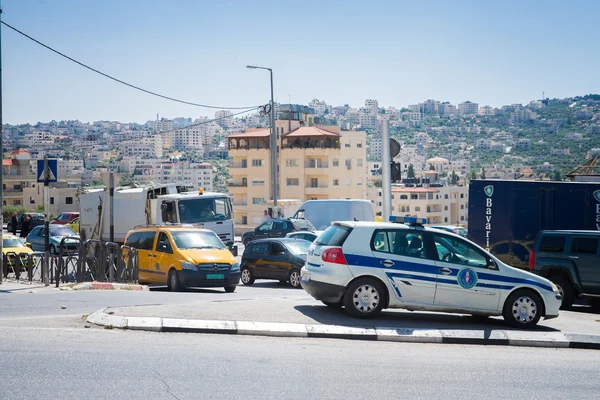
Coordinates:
[12,245]
[183,256]
[74,224]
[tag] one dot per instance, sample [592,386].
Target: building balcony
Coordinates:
[240,203]
[237,165]
[317,189]
[317,165]
[238,184]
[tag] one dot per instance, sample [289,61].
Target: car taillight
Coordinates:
[334,255]
[531,260]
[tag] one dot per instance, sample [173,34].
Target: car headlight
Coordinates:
[235,267]
[554,288]
[188,266]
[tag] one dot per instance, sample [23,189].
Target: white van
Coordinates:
[321,213]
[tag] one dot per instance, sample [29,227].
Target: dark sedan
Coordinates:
[279,259]
[275,228]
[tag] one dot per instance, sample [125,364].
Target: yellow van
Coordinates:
[183,256]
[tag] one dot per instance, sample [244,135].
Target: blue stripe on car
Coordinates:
[314,265]
[375,262]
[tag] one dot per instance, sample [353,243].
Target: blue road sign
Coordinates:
[52,170]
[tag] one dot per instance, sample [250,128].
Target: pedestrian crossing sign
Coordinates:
[52,170]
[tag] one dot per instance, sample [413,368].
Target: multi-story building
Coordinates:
[440,205]
[150,146]
[198,174]
[368,118]
[372,104]
[16,175]
[468,108]
[448,109]
[486,110]
[62,197]
[224,118]
[431,107]
[162,125]
[314,163]
[376,147]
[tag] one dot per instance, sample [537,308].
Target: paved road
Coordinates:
[102,364]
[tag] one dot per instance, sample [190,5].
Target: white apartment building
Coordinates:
[468,108]
[431,107]
[448,109]
[162,125]
[62,198]
[224,118]
[319,106]
[150,146]
[372,104]
[197,174]
[486,110]
[368,118]
[375,147]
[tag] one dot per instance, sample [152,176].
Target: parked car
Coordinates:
[279,259]
[274,228]
[74,224]
[457,230]
[35,219]
[57,232]
[571,260]
[368,266]
[65,218]
[181,257]
[13,245]
[306,235]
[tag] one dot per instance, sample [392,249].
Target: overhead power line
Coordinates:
[213,120]
[121,81]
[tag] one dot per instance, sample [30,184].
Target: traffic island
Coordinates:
[448,336]
[106,286]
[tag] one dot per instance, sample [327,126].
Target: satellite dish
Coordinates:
[394,147]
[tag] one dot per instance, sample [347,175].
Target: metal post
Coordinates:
[386,171]
[1,152]
[46,264]
[273,146]
[111,192]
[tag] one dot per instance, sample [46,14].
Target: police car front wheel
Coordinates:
[523,309]
[364,298]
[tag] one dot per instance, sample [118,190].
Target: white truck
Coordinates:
[154,204]
[321,213]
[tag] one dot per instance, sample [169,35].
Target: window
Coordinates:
[260,248]
[552,244]
[359,181]
[146,240]
[69,200]
[403,242]
[336,162]
[258,200]
[445,208]
[244,220]
[347,145]
[458,251]
[278,226]
[359,162]
[462,195]
[291,162]
[336,182]
[445,219]
[348,163]
[403,197]
[257,163]
[583,245]
[133,240]
[292,182]
[163,245]
[445,196]
[414,196]
[51,201]
[277,248]
[348,181]
[462,218]
[359,145]
[266,226]
[462,206]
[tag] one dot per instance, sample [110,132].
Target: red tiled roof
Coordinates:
[20,151]
[252,133]
[305,131]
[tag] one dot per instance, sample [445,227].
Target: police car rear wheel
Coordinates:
[523,309]
[364,298]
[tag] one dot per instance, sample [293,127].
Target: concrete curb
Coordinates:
[387,334]
[108,286]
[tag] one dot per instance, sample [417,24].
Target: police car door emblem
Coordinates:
[597,195]
[467,278]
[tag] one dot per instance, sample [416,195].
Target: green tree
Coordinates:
[411,171]
[556,176]
[431,167]
[482,173]
[454,178]
[473,175]
[378,183]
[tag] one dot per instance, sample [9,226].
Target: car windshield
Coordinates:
[197,240]
[63,217]
[299,246]
[12,242]
[193,211]
[62,231]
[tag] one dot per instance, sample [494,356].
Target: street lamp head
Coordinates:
[251,66]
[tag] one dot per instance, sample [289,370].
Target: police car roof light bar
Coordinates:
[408,220]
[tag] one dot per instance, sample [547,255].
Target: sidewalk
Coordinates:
[301,316]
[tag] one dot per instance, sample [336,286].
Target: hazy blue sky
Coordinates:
[398,52]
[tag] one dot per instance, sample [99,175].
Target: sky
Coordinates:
[398,52]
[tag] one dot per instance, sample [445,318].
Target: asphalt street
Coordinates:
[106,364]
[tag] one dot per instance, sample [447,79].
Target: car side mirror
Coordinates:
[28,244]
[491,264]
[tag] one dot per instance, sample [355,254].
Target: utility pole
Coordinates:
[1,152]
[111,193]
[46,264]
[386,178]
[273,140]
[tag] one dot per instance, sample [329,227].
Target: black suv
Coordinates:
[276,228]
[35,219]
[571,260]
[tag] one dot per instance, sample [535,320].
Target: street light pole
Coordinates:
[272,141]
[1,153]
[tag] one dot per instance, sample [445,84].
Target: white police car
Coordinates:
[369,266]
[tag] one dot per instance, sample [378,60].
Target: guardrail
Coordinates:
[88,261]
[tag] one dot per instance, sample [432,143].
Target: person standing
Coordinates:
[25,226]
[378,217]
[13,224]
[266,216]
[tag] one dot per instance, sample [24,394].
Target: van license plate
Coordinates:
[215,276]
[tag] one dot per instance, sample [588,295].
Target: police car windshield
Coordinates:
[197,240]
